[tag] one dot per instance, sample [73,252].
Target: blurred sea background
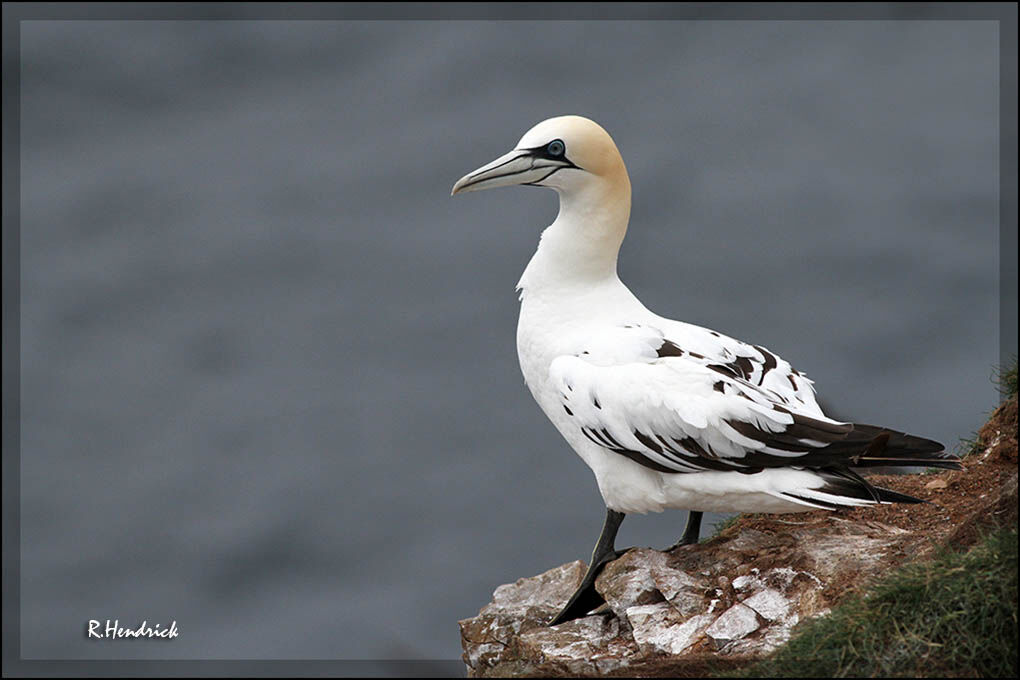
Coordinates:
[269,379]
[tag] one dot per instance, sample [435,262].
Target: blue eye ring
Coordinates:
[556,147]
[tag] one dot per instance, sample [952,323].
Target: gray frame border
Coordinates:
[15,12]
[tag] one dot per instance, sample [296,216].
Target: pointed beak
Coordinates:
[520,166]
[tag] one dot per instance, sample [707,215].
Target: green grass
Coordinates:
[1005,378]
[968,447]
[721,527]
[955,615]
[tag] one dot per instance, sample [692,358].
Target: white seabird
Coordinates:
[665,413]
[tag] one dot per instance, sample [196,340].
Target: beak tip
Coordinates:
[460,186]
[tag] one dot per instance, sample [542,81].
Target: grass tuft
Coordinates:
[970,446]
[1005,379]
[720,527]
[955,615]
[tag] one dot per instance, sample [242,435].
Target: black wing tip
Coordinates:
[946,462]
[889,447]
[923,445]
[890,496]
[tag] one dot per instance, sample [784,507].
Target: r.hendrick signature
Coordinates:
[113,631]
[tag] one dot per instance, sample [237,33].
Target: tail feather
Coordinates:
[882,447]
[890,496]
[869,446]
[839,495]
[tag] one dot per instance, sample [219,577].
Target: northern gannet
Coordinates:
[665,413]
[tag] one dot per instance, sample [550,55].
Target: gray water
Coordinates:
[269,380]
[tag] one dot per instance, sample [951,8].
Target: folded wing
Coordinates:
[674,409]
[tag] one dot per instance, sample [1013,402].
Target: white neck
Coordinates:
[580,248]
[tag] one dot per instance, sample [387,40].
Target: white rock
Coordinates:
[689,603]
[580,647]
[784,575]
[735,623]
[744,582]
[659,628]
[629,587]
[771,604]
[549,589]
[488,651]
[772,637]
[671,581]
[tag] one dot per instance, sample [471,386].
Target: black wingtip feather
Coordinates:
[889,447]
[899,441]
[890,496]
[948,463]
[848,484]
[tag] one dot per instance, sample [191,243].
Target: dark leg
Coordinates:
[692,533]
[586,598]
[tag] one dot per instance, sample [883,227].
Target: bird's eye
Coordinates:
[555,148]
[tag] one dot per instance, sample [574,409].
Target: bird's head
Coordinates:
[567,153]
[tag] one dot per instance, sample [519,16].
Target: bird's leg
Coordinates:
[692,533]
[586,598]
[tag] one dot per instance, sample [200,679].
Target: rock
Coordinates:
[684,606]
[589,646]
[736,623]
[737,597]
[659,628]
[515,609]
[770,604]
[630,581]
